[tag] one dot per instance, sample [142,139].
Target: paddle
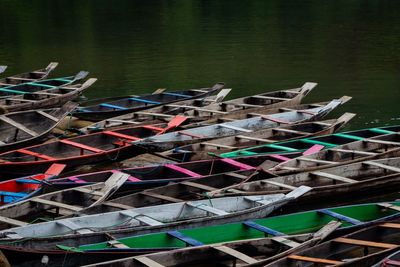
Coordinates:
[51,66]
[2,68]
[175,122]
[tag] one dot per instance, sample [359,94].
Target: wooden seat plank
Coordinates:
[73,226]
[199,186]
[285,241]
[315,160]
[18,125]
[312,259]
[88,191]
[390,225]
[383,166]
[148,262]
[334,177]
[358,242]
[162,197]
[289,131]
[236,254]
[47,115]
[208,209]
[82,146]
[118,205]
[254,139]
[55,204]
[278,184]
[123,136]
[35,154]
[141,218]
[13,222]
[203,144]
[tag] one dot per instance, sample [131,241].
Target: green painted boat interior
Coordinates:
[302,144]
[297,223]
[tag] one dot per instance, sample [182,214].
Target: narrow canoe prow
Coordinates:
[51,66]
[81,75]
[2,68]
[307,88]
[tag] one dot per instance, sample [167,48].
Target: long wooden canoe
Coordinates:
[162,113]
[166,217]
[205,150]
[59,203]
[232,128]
[327,141]
[382,146]
[249,251]
[93,148]
[25,77]
[146,177]
[199,112]
[346,182]
[19,189]
[44,93]
[361,248]
[101,109]
[22,128]
[120,243]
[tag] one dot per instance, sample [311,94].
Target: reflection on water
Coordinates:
[348,47]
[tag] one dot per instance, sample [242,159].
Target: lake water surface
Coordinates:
[348,47]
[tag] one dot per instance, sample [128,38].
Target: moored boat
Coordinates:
[18,129]
[168,217]
[25,77]
[361,248]
[159,113]
[101,109]
[19,189]
[43,93]
[196,112]
[87,149]
[59,203]
[279,134]
[232,128]
[96,247]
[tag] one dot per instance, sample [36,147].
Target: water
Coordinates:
[348,47]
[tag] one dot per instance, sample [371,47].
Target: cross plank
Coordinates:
[55,204]
[236,254]
[18,125]
[383,166]
[334,177]
[364,243]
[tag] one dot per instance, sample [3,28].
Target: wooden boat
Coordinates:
[367,178]
[392,260]
[15,190]
[158,114]
[166,217]
[88,149]
[141,178]
[101,109]
[59,203]
[361,248]
[223,254]
[18,129]
[232,128]
[100,246]
[205,150]
[32,76]
[44,93]
[198,112]
[328,141]
[274,99]
[382,146]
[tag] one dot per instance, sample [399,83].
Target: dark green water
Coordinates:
[348,47]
